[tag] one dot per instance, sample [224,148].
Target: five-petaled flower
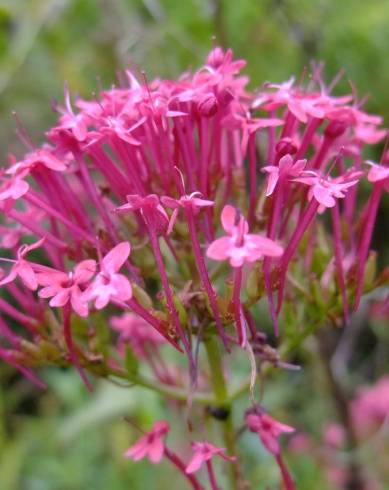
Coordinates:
[109,283]
[240,246]
[64,287]
[286,167]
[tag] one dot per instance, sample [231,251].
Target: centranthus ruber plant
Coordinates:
[164,226]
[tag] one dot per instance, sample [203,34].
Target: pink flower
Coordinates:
[286,168]
[325,189]
[378,173]
[192,201]
[43,156]
[64,287]
[13,188]
[240,246]
[23,268]
[267,428]
[109,284]
[150,209]
[151,445]
[203,452]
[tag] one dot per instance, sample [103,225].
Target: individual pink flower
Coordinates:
[151,445]
[194,201]
[268,429]
[150,209]
[240,246]
[326,189]
[204,452]
[23,268]
[109,283]
[378,173]
[13,188]
[286,167]
[64,287]
[42,156]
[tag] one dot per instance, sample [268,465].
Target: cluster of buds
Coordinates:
[160,214]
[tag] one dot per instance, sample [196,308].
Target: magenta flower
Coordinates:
[13,188]
[43,156]
[269,430]
[64,288]
[23,268]
[287,167]
[150,209]
[204,452]
[109,284]
[240,246]
[151,445]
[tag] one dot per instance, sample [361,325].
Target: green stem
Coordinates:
[222,401]
[167,391]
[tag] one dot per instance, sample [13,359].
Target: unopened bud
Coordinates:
[207,105]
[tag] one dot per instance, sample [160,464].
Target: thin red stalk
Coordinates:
[8,358]
[67,333]
[26,321]
[287,479]
[211,475]
[36,200]
[339,259]
[240,328]
[36,229]
[169,296]
[317,161]
[252,178]
[151,319]
[95,198]
[307,137]
[303,224]
[363,249]
[201,267]
[173,458]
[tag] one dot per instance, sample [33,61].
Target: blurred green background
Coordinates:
[66,439]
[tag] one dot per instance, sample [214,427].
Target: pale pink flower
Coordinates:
[23,268]
[286,167]
[109,283]
[63,287]
[203,452]
[326,189]
[151,445]
[240,246]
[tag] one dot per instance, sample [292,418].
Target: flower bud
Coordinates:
[207,105]
[286,146]
[335,129]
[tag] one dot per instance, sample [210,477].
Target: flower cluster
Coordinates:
[167,210]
